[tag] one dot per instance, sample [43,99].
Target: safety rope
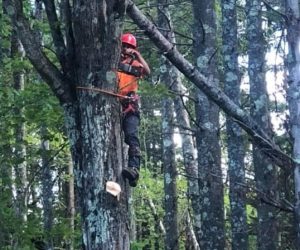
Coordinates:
[105,92]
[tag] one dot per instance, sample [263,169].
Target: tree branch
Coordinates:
[155,216]
[57,36]
[214,93]
[67,16]
[269,7]
[48,71]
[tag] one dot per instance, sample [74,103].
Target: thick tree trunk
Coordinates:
[265,177]
[235,136]
[207,135]
[104,218]
[94,127]
[293,61]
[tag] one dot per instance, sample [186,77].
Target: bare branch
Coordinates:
[269,7]
[67,16]
[56,32]
[155,215]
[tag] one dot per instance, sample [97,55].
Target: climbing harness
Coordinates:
[130,105]
[129,69]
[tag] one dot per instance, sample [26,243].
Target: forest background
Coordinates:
[219,125]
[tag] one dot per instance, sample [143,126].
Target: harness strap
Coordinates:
[130,105]
[129,108]
[129,69]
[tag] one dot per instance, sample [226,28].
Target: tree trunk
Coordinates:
[97,150]
[191,242]
[293,62]
[71,203]
[169,165]
[265,177]
[20,182]
[207,135]
[170,173]
[235,137]
[47,193]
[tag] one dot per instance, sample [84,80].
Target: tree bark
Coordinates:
[235,135]
[265,177]
[207,134]
[170,174]
[47,193]
[169,165]
[71,203]
[20,182]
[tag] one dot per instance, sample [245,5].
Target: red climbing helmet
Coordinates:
[129,39]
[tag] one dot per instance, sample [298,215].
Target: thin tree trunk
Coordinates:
[174,83]
[293,62]
[6,187]
[169,165]
[6,191]
[235,136]
[47,193]
[20,182]
[170,218]
[71,204]
[46,173]
[207,135]
[265,177]
[158,223]
[191,242]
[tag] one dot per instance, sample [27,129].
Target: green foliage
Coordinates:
[147,217]
[149,190]
[155,92]
[35,107]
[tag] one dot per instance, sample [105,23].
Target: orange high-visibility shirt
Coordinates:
[126,82]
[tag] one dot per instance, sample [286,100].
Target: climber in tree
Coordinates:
[132,67]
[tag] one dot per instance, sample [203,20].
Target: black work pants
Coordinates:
[131,122]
